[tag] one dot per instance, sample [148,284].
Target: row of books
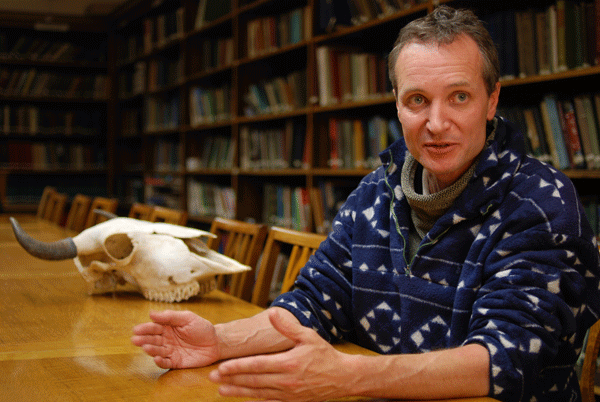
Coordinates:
[33,120]
[162,29]
[347,75]
[305,209]
[43,156]
[166,156]
[34,83]
[216,53]
[163,73]
[209,105]
[356,12]
[210,10]
[163,190]
[132,82]
[287,206]
[563,132]
[154,33]
[217,153]
[267,34]
[547,40]
[162,113]
[277,95]
[206,199]
[24,47]
[275,148]
[356,143]
[362,11]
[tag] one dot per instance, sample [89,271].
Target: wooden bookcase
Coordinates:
[53,98]
[175,159]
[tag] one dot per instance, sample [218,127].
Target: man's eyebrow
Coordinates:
[463,83]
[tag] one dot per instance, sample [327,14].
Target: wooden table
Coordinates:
[57,343]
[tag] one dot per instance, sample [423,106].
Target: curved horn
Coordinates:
[106,214]
[58,250]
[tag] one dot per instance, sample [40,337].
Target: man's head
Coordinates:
[443,97]
[443,25]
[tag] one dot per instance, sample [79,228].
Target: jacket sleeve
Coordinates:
[538,296]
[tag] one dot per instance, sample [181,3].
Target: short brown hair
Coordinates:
[442,26]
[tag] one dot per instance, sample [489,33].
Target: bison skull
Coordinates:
[164,262]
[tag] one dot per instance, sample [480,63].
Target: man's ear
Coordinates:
[493,102]
[396,100]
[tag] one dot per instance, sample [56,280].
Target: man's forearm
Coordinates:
[251,336]
[458,372]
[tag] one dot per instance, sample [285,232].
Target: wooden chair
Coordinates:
[141,211]
[78,212]
[55,208]
[589,367]
[242,241]
[41,210]
[105,204]
[168,215]
[303,245]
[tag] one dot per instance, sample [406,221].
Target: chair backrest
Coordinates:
[303,245]
[78,212]
[140,211]
[168,215]
[589,367]
[55,209]
[41,210]
[105,204]
[242,241]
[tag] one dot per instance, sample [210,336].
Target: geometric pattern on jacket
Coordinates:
[512,265]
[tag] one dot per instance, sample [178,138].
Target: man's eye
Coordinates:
[417,100]
[461,97]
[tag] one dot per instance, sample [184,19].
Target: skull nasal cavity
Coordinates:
[118,246]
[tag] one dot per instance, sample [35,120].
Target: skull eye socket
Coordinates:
[118,245]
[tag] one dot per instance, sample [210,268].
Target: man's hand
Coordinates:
[177,339]
[311,371]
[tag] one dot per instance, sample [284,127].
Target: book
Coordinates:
[593,128]
[324,75]
[561,35]
[536,134]
[335,161]
[551,24]
[359,144]
[554,135]
[572,137]
[525,25]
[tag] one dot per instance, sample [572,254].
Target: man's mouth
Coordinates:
[442,147]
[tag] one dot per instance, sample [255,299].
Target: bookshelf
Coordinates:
[272,98]
[53,107]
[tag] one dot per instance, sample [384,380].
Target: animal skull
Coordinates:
[164,262]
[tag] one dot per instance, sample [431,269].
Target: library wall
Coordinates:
[273,110]
[277,109]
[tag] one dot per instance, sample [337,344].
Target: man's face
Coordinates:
[443,105]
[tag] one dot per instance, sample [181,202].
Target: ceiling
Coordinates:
[68,7]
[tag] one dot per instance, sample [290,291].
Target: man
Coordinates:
[469,266]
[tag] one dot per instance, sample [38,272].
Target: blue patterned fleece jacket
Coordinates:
[512,265]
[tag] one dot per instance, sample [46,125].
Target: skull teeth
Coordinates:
[177,293]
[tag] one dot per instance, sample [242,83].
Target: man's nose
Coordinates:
[438,119]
